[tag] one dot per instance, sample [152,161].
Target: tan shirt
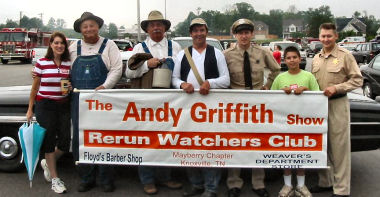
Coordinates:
[260,58]
[338,69]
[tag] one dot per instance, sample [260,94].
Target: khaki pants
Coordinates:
[338,148]
[234,180]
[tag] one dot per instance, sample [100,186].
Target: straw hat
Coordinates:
[87,16]
[155,16]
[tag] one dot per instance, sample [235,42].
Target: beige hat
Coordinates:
[242,24]
[87,16]
[198,21]
[155,16]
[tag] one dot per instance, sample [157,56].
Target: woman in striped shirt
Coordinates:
[52,105]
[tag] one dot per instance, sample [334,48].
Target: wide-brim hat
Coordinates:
[155,16]
[87,16]
[198,21]
[242,24]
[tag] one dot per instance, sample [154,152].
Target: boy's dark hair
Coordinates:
[328,26]
[292,49]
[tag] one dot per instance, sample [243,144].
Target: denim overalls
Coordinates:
[87,72]
[168,61]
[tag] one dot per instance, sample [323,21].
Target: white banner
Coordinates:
[227,128]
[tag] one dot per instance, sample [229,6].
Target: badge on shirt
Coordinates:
[335,61]
[293,86]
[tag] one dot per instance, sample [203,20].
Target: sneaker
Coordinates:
[58,186]
[303,192]
[46,170]
[286,191]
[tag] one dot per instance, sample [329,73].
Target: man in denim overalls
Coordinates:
[96,65]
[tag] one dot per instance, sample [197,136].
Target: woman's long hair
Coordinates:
[50,55]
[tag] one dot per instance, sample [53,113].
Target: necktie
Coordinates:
[247,72]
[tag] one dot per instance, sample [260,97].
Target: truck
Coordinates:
[351,42]
[18,43]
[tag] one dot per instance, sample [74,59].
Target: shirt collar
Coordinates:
[333,53]
[241,51]
[162,43]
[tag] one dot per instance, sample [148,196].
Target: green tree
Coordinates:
[112,31]
[60,23]
[315,17]
[10,23]
[51,24]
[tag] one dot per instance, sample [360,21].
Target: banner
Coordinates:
[226,128]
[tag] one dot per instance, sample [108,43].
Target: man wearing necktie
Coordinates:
[246,64]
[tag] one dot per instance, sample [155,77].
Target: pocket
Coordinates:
[336,73]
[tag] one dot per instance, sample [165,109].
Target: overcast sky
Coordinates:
[124,12]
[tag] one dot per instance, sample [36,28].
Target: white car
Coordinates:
[188,41]
[284,45]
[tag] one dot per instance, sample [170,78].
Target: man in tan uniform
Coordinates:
[246,64]
[337,73]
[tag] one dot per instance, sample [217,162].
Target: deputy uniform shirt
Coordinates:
[51,75]
[301,79]
[259,59]
[337,69]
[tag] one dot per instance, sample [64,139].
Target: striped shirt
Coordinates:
[51,75]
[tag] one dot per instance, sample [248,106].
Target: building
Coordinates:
[261,30]
[356,25]
[290,26]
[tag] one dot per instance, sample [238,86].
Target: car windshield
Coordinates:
[286,45]
[376,46]
[124,46]
[186,43]
[15,37]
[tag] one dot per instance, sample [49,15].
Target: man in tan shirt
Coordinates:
[337,73]
[246,65]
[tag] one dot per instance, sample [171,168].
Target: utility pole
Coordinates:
[165,9]
[138,22]
[41,14]
[20,19]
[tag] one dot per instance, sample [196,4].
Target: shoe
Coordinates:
[208,194]
[172,185]
[44,166]
[58,186]
[150,189]
[319,189]
[84,187]
[337,195]
[303,192]
[286,191]
[108,187]
[234,192]
[262,192]
[193,192]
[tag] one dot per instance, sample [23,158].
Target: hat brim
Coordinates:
[79,21]
[144,24]
[243,27]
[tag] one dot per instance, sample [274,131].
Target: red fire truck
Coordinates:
[18,43]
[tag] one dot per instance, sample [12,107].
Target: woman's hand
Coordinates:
[29,115]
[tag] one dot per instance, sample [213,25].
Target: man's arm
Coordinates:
[273,66]
[176,76]
[116,66]
[223,81]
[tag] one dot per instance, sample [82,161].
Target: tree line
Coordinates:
[219,23]
[109,31]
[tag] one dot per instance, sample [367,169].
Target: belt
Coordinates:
[336,96]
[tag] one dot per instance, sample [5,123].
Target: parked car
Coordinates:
[38,53]
[284,45]
[188,41]
[365,52]
[314,48]
[365,124]
[371,77]
[125,47]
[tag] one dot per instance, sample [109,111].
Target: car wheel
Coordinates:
[4,61]
[367,90]
[10,150]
